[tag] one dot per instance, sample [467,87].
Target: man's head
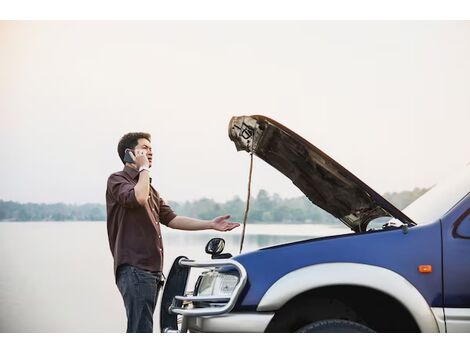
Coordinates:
[135,141]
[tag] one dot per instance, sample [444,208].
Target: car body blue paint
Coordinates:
[391,249]
[456,257]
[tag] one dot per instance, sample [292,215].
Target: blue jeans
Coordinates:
[139,290]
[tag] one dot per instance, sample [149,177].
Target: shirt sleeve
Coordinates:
[166,213]
[122,190]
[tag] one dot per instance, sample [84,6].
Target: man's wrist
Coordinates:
[144,167]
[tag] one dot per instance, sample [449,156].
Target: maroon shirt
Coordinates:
[134,230]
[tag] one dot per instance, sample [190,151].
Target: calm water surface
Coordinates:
[58,276]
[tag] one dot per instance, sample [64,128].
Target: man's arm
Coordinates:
[142,188]
[121,190]
[219,223]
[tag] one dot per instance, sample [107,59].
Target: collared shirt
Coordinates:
[134,230]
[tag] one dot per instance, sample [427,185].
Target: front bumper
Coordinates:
[233,322]
[215,316]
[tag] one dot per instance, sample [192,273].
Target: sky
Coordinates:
[387,100]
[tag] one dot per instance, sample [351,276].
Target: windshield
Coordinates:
[440,198]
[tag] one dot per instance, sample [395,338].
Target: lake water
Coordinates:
[58,276]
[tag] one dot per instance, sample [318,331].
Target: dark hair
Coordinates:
[130,140]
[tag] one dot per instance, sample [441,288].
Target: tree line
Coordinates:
[264,208]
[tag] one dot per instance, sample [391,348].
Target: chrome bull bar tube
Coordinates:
[228,300]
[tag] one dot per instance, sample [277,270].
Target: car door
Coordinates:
[456,267]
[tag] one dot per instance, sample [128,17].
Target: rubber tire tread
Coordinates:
[335,326]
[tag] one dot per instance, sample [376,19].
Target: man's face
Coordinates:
[144,144]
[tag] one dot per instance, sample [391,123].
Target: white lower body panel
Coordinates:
[457,319]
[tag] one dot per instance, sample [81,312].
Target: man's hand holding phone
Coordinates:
[140,158]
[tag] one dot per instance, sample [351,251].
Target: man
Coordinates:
[134,213]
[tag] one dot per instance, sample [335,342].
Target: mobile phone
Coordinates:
[127,156]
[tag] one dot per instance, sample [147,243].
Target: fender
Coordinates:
[328,274]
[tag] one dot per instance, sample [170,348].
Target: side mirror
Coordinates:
[215,246]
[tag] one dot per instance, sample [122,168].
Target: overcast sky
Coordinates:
[390,101]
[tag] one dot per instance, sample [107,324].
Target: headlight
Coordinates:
[214,283]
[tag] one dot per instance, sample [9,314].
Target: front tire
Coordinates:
[336,326]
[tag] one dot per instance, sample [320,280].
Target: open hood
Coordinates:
[325,182]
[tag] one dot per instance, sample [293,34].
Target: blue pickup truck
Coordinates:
[395,271]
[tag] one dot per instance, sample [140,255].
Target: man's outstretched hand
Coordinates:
[220,223]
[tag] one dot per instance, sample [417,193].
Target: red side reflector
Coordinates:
[424,269]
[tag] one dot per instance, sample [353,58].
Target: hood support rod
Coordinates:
[245,216]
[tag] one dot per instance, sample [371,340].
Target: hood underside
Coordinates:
[325,182]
